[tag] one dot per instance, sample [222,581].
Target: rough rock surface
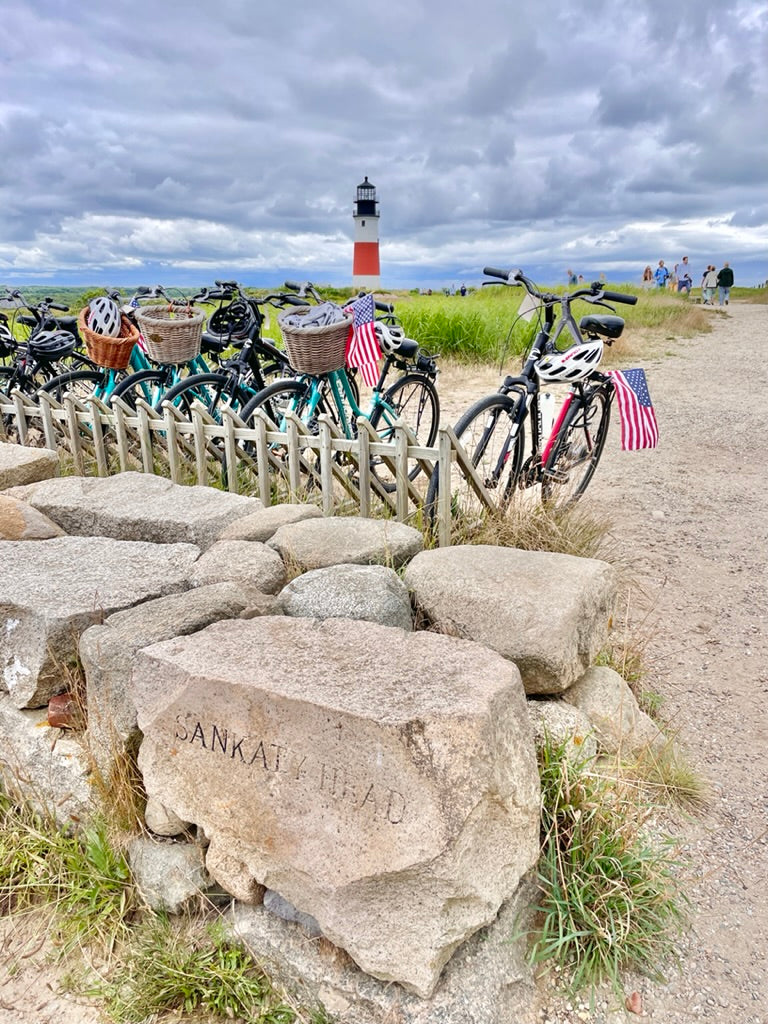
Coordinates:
[423,799]
[486,982]
[170,876]
[52,590]
[139,506]
[43,765]
[250,563]
[372,592]
[548,613]
[19,521]
[263,523]
[20,466]
[317,543]
[107,652]
[609,704]
[561,723]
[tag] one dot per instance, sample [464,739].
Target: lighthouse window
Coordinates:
[363,223]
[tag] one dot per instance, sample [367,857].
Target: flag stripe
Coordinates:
[639,428]
[363,347]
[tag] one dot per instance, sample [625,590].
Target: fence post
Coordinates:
[97,408]
[73,428]
[47,402]
[21,416]
[171,436]
[443,510]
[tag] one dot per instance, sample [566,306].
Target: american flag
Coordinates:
[638,420]
[362,348]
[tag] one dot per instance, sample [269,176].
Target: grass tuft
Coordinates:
[609,896]
[531,526]
[79,876]
[175,969]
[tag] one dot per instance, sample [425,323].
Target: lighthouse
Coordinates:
[365,264]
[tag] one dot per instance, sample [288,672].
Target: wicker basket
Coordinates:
[314,349]
[111,353]
[172,335]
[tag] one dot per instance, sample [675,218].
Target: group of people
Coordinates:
[680,279]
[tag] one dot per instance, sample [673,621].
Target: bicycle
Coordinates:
[412,397]
[142,377]
[256,361]
[564,453]
[47,349]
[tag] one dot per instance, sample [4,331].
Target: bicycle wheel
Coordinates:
[577,448]
[213,390]
[275,400]
[485,433]
[413,397]
[151,385]
[83,384]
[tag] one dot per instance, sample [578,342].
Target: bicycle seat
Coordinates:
[594,324]
[407,348]
[67,323]
[213,343]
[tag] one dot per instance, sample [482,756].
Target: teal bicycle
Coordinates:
[411,397]
[142,377]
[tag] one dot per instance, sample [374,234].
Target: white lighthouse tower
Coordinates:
[365,263]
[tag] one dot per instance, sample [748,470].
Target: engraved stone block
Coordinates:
[383,782]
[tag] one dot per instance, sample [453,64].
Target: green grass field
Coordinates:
[482,327]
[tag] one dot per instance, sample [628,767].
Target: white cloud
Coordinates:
[157,135]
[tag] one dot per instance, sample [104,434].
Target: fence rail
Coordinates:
[277,465]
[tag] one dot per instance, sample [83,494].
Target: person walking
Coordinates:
[660,275]
[708,285]
[648,277]
[724,283]
[684,276]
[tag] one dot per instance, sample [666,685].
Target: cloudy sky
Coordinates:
[174,142]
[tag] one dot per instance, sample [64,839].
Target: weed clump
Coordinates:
[609,893]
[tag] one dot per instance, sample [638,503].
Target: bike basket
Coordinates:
[172,334]
[314,349]
[111,353]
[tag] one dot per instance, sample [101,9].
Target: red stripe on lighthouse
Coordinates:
[366,259]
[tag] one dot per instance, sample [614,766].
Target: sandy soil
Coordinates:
[692,520]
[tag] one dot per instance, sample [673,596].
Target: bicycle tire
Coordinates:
[577,448]
[414,398]
[81,383]
[484,432]
[150,385]
[274,400]
[210,389]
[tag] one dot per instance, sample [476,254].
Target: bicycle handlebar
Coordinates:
[595,290]
[629,300]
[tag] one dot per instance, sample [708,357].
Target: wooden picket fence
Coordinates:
[276,465]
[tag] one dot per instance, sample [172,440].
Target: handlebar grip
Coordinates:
[59,307]
[294,300]
[628,300]
[293,286]
[384,307]
[505,275]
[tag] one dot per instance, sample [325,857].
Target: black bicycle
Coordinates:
[564,449]
[48,345]
[256,361]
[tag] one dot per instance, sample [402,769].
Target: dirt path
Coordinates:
[692,519]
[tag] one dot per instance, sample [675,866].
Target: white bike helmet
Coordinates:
[573,364]
[104,316]
[390,336]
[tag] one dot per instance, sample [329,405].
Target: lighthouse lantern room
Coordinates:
[365,264]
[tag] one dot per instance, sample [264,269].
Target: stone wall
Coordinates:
[304,749]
